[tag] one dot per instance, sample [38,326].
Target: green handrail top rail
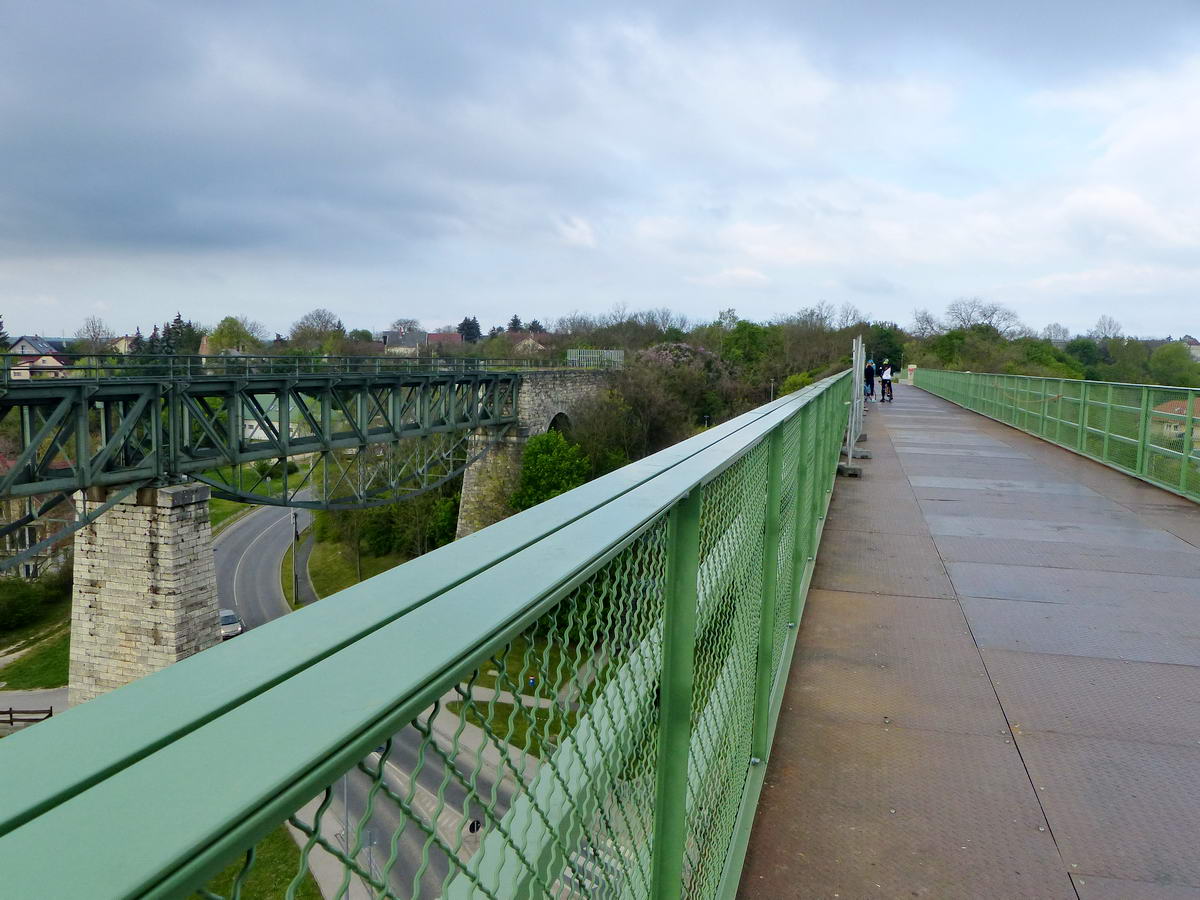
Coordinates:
[121,792]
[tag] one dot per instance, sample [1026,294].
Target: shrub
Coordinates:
[550,466]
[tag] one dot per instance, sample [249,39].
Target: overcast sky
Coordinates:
[438,160]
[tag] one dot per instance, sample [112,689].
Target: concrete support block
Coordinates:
[145,592]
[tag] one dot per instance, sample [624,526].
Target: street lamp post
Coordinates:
[295,577]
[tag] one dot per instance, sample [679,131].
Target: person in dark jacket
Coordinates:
[869,380]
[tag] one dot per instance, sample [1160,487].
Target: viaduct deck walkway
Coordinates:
[996,690]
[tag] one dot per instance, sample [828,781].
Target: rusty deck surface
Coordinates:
[996,686]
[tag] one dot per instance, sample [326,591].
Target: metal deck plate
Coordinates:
[873,563]
[1090,697]
[1001,485]
[1185,563]
[1093,887]
[1135,593]
[852,810]
[1084,630]
[1126,809]
[1082,531]
[902,661]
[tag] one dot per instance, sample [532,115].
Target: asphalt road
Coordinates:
[248,556]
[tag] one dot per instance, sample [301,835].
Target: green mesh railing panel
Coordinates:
[502,737]
[1144,430]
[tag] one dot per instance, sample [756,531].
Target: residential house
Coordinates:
[123,344]
[525,342]
[407,342]
[443,338]
[35,345]
[1171,428]
[1192,345]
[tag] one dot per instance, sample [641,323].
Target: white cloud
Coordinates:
[576,232]
[739,276]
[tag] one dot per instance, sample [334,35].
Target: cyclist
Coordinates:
[885,378]
[869,380]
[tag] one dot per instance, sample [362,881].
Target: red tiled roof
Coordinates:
[1179,407]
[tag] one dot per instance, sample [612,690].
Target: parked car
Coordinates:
[231,624]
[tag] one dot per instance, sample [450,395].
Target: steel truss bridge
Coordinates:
[358,432]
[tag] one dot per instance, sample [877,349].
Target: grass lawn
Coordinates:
[276,861]
[532,729]
[331,567]
[45,666]
[223,512]
[55,615]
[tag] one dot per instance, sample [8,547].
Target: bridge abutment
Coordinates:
[544,400]
[145,592]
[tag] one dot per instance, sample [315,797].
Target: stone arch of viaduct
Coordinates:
[544,399]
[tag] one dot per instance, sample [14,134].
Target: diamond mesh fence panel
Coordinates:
[554,733]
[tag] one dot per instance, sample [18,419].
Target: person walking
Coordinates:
[869,380]
[885,387]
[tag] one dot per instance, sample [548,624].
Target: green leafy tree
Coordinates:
[1172,364]
[359,335]
[235,333]
[514,324]
[551,465]
[1084,349]
[536,327]
[5,340]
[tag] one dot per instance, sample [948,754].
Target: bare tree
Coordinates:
[925,324]
[848,314]
[1106,327]
[967,312]
[94,338]
[406,325]
[318,330]
[1056,332]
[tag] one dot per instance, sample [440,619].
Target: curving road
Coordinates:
[248,556]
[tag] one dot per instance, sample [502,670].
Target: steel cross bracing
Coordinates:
[355,439]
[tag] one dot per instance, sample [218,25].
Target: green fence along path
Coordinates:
[1148,431]
[577,701]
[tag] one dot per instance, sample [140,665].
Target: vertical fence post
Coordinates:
[805,506]
[675,711]
[1189,448]
[1143,448]
[1083,417]
[1108,405]
[766,607]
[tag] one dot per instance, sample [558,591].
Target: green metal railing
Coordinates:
[18,369]
[1147,431]
[577,701]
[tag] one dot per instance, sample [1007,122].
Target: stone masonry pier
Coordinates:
[145,589]
[996,687]
[545,400]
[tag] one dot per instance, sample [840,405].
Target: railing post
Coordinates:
[807,487]
[1143,449]
[1083,417]
[1108,405]
[1188,448]
[675,687]
[765,681]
